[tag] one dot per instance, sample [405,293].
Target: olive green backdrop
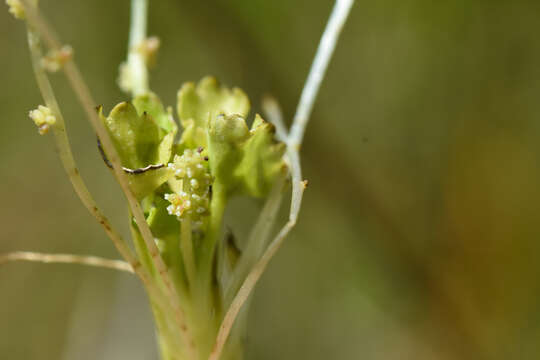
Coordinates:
[419,233]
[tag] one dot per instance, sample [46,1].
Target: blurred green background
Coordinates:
[419,233]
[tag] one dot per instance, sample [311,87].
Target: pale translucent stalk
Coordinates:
[66,259]
[137,35]
[326,48]
[86,100]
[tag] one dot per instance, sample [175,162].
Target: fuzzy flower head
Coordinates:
[16,9]
[193,199]
[56,59]
[43,118]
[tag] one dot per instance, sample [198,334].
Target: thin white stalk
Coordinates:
[84,96]
[138,72]
[66,259]
[326,48]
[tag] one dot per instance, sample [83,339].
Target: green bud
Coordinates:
[226,135]
[197,104]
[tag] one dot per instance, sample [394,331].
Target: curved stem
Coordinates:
[251,280]
[325,50]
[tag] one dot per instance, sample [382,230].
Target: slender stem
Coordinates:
[137,34]
[64,150]
[322,57]
[318,69]
[66,259]
[83,94]
[66,156]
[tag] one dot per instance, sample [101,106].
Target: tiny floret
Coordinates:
[16,9]
[148,49]
[56,59]
[43,118]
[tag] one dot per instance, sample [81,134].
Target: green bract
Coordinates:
[242,161]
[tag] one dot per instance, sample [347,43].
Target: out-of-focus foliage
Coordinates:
[418,237]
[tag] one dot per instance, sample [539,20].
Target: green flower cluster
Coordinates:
[184,183]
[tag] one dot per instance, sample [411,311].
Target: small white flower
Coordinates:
[43,118]
[56,59]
